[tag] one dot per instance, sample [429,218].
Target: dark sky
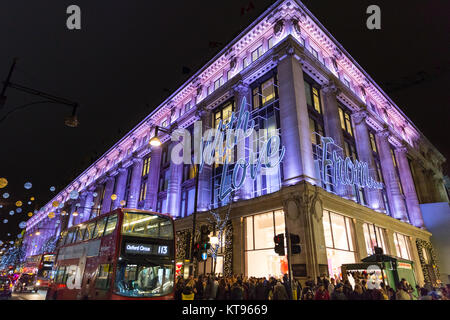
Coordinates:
[129,55]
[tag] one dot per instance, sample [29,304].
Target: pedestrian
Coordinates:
[287,286]
[331,286]
[236,293]
[357,293]
[338,293]
[261,290]
[279,292]
[179,287]
[198,289]
[298,288]
[321,293]
[402,294]
[188,293]
[347,289]
[252,289]
[424,294]
[308,293]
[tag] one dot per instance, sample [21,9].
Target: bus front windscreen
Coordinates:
[146,225]
[144,279]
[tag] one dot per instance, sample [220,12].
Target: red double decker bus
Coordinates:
[124,254]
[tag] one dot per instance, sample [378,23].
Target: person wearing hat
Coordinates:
[338,293]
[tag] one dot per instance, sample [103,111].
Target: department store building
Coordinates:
[360,191]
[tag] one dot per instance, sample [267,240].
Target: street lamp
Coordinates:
[155,142]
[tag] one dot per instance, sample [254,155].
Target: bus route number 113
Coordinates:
[162,250]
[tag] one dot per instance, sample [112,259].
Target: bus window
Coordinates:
[70,236]
[143,280]
[60,274]
[165,229]
[89,231]
[144,225]
[62,239]
[103,276]
[111,225]
[79,233]
[100,228]
[70,273]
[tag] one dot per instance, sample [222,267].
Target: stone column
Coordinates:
[109,189]
[412,203]
[174,189]
[421,182]
[238,246]
[79,209]
[332,126]
[303,216]
[153,179]
[97,201]
[332,122]
[205,176]
[242,91]
[363,146]
[298,162]
[73,208]
[360,241]
[418,271]
[135,183]
[119,189]
[88,204]
[395,198]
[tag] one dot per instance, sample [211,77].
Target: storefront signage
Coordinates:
[137,248]
[230,135]
[345,171]
[403,265]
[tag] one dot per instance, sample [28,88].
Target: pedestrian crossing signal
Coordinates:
[279,244]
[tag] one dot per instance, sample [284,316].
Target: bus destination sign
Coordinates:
[153,249]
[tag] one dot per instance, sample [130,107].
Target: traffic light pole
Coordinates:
[194,218]
[288,242]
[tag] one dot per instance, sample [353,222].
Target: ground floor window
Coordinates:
[205,267]
[402,246]
[260,257]
[374,237]
[339,242]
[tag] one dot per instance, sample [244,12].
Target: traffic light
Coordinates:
[279,244]
[295,243]
[204,234]
[196,252]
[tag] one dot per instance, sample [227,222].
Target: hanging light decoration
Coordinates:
[3,182]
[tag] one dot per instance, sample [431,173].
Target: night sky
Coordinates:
[130,55]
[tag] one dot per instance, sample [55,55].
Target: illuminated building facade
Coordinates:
[296,79]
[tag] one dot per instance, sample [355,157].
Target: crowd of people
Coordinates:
[239,287]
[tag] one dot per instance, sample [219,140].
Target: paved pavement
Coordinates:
[40,295]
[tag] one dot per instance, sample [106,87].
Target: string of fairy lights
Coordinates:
[24,208]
